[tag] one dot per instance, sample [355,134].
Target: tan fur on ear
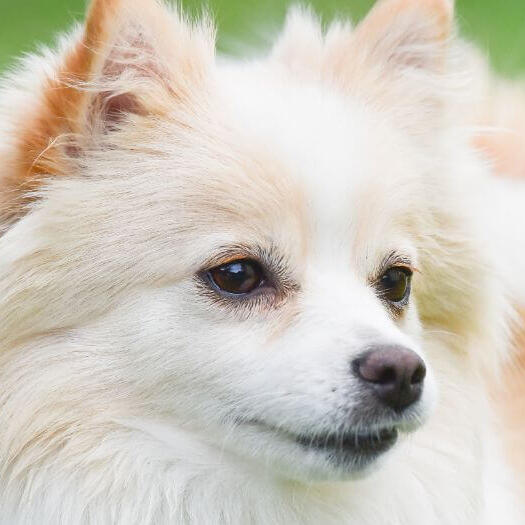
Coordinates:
[396,35]
[60,106]
[398,57]
[100,77]
[383,17]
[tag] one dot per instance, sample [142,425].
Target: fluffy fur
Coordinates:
[133,160]
[499,111]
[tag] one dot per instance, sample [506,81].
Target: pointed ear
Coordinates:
[404,34]
[400,51]
[132,58]
[136,51]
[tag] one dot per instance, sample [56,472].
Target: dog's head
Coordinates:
[272,255]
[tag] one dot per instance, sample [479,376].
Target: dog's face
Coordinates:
[260,243]
[289,332]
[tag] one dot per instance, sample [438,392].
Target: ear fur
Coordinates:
[399,52]
[399,57]
[407,33]
[132,58]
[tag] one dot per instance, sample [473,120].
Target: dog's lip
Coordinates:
[365,442]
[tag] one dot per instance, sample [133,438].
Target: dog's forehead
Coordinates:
[344,162]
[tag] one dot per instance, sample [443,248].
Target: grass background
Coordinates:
[497,25]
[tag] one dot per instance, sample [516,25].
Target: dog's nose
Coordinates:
[395,373]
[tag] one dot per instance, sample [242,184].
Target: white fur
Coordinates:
[121,383]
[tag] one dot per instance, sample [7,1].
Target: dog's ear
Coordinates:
[131,55]
[401,34]
[132,58]
[400,51]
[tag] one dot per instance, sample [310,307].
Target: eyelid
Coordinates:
[230,256]
[397,260]
[409,267]
[232,259]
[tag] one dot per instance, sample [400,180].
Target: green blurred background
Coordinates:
[497,25]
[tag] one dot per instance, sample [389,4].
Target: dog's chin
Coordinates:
[320,456]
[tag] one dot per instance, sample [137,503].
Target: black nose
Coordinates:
[395,373]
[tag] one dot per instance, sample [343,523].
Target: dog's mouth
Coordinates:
[362,445]
[358,444]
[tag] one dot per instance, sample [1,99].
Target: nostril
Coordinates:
[387,376]
[419,375]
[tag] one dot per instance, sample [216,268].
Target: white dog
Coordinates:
[248,293]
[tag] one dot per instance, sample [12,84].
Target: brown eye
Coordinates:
[394,285]
[238,277]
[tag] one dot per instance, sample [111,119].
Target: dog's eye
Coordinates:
[237,277]
[394,285]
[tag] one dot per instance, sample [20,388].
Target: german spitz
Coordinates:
[268,291]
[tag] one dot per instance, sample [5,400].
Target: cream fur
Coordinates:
[122,383]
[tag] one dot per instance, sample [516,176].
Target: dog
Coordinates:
[250,292]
